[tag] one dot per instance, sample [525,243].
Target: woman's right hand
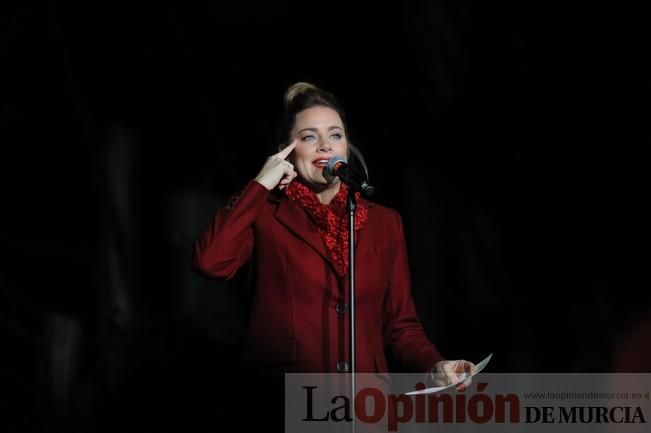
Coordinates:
[276,171]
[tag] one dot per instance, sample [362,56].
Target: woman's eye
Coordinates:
[336,136]
[308,138]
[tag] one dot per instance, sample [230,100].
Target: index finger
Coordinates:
[286,151]
[452,377]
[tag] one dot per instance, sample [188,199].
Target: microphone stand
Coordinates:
[338,166]
[351,206]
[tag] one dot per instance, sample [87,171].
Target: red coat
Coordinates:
[299,318]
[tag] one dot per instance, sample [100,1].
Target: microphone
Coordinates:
[338,167]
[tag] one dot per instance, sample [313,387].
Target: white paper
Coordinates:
[463,377]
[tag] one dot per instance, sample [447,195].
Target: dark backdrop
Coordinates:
[505,133]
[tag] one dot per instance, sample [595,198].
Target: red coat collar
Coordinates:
[298,222]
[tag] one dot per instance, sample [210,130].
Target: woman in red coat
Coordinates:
[291,222]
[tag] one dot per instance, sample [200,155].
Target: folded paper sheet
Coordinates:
[465,376]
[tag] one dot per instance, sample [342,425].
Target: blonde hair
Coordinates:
[296,89]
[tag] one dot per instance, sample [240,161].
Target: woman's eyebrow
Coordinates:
[330,128]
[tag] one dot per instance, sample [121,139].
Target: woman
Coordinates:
[291,222]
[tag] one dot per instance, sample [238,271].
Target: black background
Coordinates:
[508,135]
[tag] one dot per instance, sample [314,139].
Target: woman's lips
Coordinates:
[320,163]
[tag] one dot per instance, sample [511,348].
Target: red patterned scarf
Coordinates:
[331,220]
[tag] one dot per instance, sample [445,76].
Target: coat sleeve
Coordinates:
[404,335]
[227,243]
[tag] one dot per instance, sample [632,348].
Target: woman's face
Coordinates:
[320,135]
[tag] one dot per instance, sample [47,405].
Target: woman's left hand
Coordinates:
[447,372]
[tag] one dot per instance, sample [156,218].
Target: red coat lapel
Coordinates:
[298,222]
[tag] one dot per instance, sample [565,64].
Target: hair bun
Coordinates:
[297,89]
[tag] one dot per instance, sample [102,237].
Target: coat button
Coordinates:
[341,308]
[342,366]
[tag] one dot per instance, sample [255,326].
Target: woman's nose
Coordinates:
[324,146]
